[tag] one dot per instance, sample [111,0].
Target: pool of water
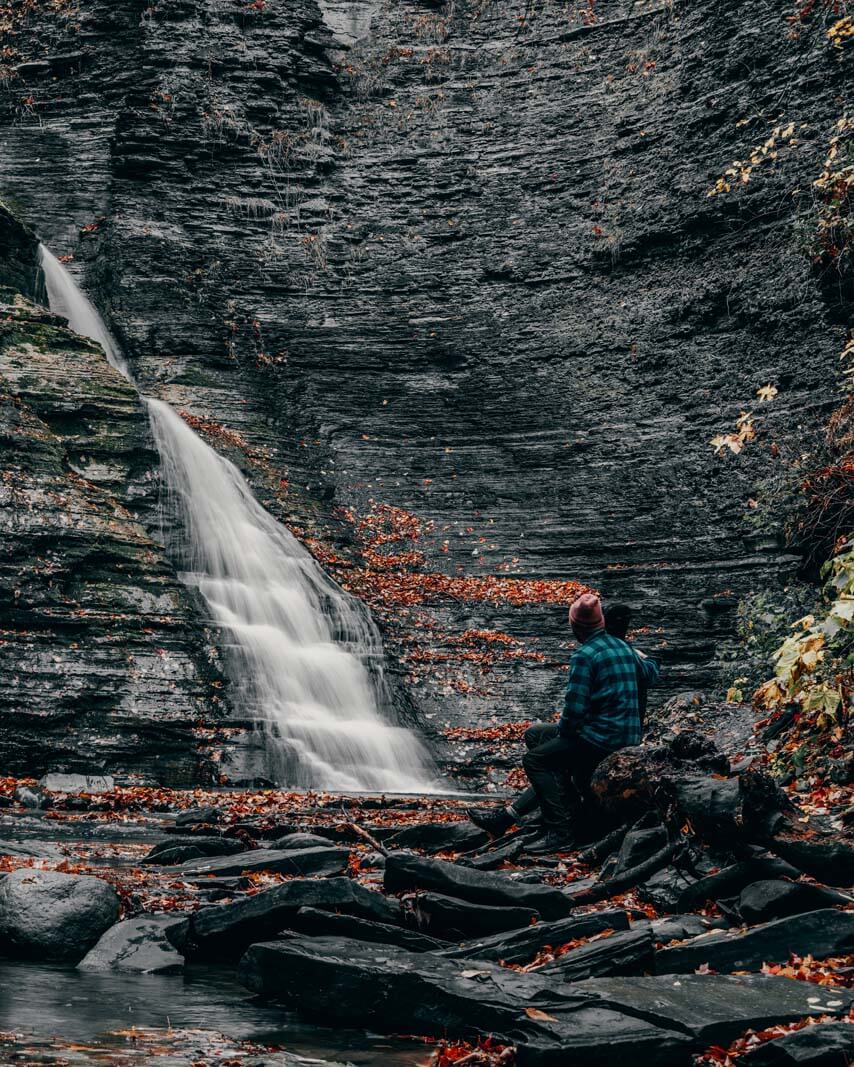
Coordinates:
[58,1012]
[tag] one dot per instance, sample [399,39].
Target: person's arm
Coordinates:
[576,701]
[648,667]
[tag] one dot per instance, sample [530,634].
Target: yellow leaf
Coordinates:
[766,393]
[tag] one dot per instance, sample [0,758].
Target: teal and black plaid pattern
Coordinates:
[601,701]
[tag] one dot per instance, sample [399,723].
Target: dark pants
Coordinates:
[556,765]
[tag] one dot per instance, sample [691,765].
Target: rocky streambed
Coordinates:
[141,924]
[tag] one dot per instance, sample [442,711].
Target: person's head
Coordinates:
[617,619]
[585,616]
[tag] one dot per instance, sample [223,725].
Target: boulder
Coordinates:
[822,933]
[454,919]
[192,816]
[775,899]
[207,845]
[438,837]
[715,1009]
[681,927]
[520,946]
[822,1045]
[404,871]
[224,931]
[348,983]
[333,924]
[302,861]
[145,945]
[171,857]
[300,840]
[628,952]
[77,783]
[32,797]
[53,916]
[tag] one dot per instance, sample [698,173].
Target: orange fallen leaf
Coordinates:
[540,1016]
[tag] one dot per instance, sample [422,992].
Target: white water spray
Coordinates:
[299,648]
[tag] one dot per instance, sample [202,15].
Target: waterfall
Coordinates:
[304,657]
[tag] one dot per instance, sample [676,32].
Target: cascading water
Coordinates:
[298,646]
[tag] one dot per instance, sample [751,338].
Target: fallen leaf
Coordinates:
[541,1016]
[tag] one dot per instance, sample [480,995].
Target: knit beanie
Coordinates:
[586,615]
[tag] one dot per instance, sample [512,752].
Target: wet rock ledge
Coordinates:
[702,913]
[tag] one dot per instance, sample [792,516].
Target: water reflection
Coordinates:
[42,1002]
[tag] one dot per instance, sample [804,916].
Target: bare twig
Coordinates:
[372,841]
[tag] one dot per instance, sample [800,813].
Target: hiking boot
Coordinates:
[553,840]
[494,820]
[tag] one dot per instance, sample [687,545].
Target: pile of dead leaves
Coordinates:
[508,731]
[486,1053]
[833,971]
[753,1038]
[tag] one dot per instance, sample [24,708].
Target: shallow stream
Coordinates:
[55,1014]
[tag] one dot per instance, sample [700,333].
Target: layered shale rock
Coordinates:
[102,661]
[453,269]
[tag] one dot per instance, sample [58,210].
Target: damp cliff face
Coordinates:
[446,282]
[101,659]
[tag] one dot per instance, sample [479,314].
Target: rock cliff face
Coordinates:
[445,280]
[101,658]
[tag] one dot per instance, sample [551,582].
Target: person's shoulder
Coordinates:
[611,646]
[600,644]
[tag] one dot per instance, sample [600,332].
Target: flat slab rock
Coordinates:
[49,915]
[299,840]
[628,952]
[731,880]
[822,1045]
[144,945]
[320,923]
[829,860]
[450,918]
[206,844]
[714,1009]
[404,871]
[346,982]
[77,783]
[520,946]
[223,931]
[775,899]
[438,836]
[822,933]
[301,861]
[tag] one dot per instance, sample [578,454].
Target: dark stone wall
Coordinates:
[102,658]
[466,267]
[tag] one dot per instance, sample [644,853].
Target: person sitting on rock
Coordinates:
[618,618]
[608,681]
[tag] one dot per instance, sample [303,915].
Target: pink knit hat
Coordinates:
[586,613]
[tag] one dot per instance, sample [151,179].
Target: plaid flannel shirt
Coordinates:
[601,700]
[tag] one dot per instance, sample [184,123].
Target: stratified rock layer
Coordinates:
[102,660]
[460,260]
